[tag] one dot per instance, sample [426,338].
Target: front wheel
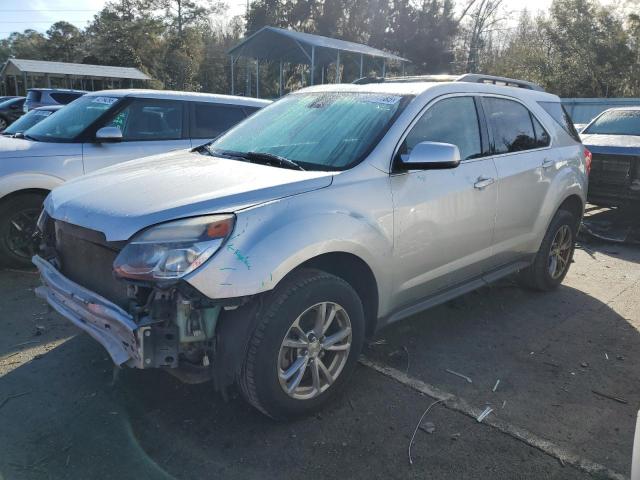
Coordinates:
[552,261]
[18,218]
[305,345]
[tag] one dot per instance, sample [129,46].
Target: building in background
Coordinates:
[18,75]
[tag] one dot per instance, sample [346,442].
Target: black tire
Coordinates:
[259,380]
[4,123]
[23,210]
[538,275]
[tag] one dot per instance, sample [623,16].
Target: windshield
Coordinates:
[26,121]
[616,122]
[323,131]
[72,120]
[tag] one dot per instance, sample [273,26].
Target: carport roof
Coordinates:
[17,66]
[271,43]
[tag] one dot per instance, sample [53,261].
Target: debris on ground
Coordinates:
[458,375]
[424,414]
[484,414]
[495,387]
[15,395]
[584,364]
[455,436]
[612,225]
[382,341]
[610,397]
[428,427]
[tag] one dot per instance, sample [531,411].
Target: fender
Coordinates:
[571,179]
[28,180]
[270,241]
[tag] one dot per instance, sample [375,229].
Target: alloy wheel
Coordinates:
[314,351]
[19,235]
[560,251]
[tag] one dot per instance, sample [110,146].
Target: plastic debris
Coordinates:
[610,397]
[495,387]
[459,375]
[428,427]
[484,414]
[418,426]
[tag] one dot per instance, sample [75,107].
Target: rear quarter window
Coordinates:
[560,115]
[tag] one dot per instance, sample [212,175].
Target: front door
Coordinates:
[149,126]
[443,219]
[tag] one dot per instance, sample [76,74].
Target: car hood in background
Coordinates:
[612,144]
[20,148]
[122,200]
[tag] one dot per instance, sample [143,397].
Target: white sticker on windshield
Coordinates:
[42,113]
[104,100]
[382,99]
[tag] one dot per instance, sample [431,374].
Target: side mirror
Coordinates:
[431,156]
[109,135]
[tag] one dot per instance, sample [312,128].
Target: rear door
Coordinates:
[209,120]
[443,219]
[149,127]
[526,166]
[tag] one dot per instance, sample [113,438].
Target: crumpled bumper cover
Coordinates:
[106,322]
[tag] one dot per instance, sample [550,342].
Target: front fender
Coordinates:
[272,240]
[28,180]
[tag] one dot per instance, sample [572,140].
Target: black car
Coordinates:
[10,111]
[613,138]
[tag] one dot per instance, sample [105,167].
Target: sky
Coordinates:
[18,15]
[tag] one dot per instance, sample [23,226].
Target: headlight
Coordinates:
[171,250]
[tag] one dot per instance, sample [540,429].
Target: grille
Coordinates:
[87,259]
[611,170]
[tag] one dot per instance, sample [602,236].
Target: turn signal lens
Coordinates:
[588,157]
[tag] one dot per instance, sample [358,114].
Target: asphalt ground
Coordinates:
[551,352]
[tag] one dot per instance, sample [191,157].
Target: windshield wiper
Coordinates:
[256,157]
[271,157]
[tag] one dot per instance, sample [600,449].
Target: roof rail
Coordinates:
[468,77]
[508,82]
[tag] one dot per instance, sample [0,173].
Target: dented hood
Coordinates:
[121,200]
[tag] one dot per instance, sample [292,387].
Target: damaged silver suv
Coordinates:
[265,258]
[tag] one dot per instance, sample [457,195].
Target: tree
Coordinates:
[65,43]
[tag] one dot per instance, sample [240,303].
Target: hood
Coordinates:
[121,200]
[612,144]
[20,148]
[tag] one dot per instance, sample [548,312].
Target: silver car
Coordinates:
[98,130]
[268,256]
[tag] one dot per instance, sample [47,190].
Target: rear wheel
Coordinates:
[552,261]
[18,218]
[305,346]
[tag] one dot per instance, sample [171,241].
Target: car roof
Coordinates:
[67,90]
[184,96]
[418,88]
[619,109]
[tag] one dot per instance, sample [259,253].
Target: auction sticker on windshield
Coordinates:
[382,99]
[105,100]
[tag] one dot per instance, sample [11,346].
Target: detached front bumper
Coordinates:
[106,322]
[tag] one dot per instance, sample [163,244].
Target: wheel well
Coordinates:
[356,273]
[573,204]
[17,193]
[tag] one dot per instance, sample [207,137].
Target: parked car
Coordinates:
[42,97]
[267,256]
[10,111]
[28,120]
[95,131]
[613,138]
[7,97]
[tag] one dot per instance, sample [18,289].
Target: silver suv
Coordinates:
[268,256]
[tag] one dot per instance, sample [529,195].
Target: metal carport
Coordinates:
[280,45]
[39,73]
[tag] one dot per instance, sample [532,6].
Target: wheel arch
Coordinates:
[574,205]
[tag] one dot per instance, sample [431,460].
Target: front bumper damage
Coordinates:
[106,322]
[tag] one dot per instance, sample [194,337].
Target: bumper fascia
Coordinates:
[106,322]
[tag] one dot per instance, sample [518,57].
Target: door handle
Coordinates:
[548,163]
[483,182]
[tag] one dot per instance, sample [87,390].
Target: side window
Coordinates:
[511,125]
[452,120]
[210,120]
[148,119]
[542,137]
[64,97]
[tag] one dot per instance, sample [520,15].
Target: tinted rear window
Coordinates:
[210,120]
[34,95]
[64,97]
[560,115]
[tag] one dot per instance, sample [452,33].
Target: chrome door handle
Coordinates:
[483,182]
[548,163]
